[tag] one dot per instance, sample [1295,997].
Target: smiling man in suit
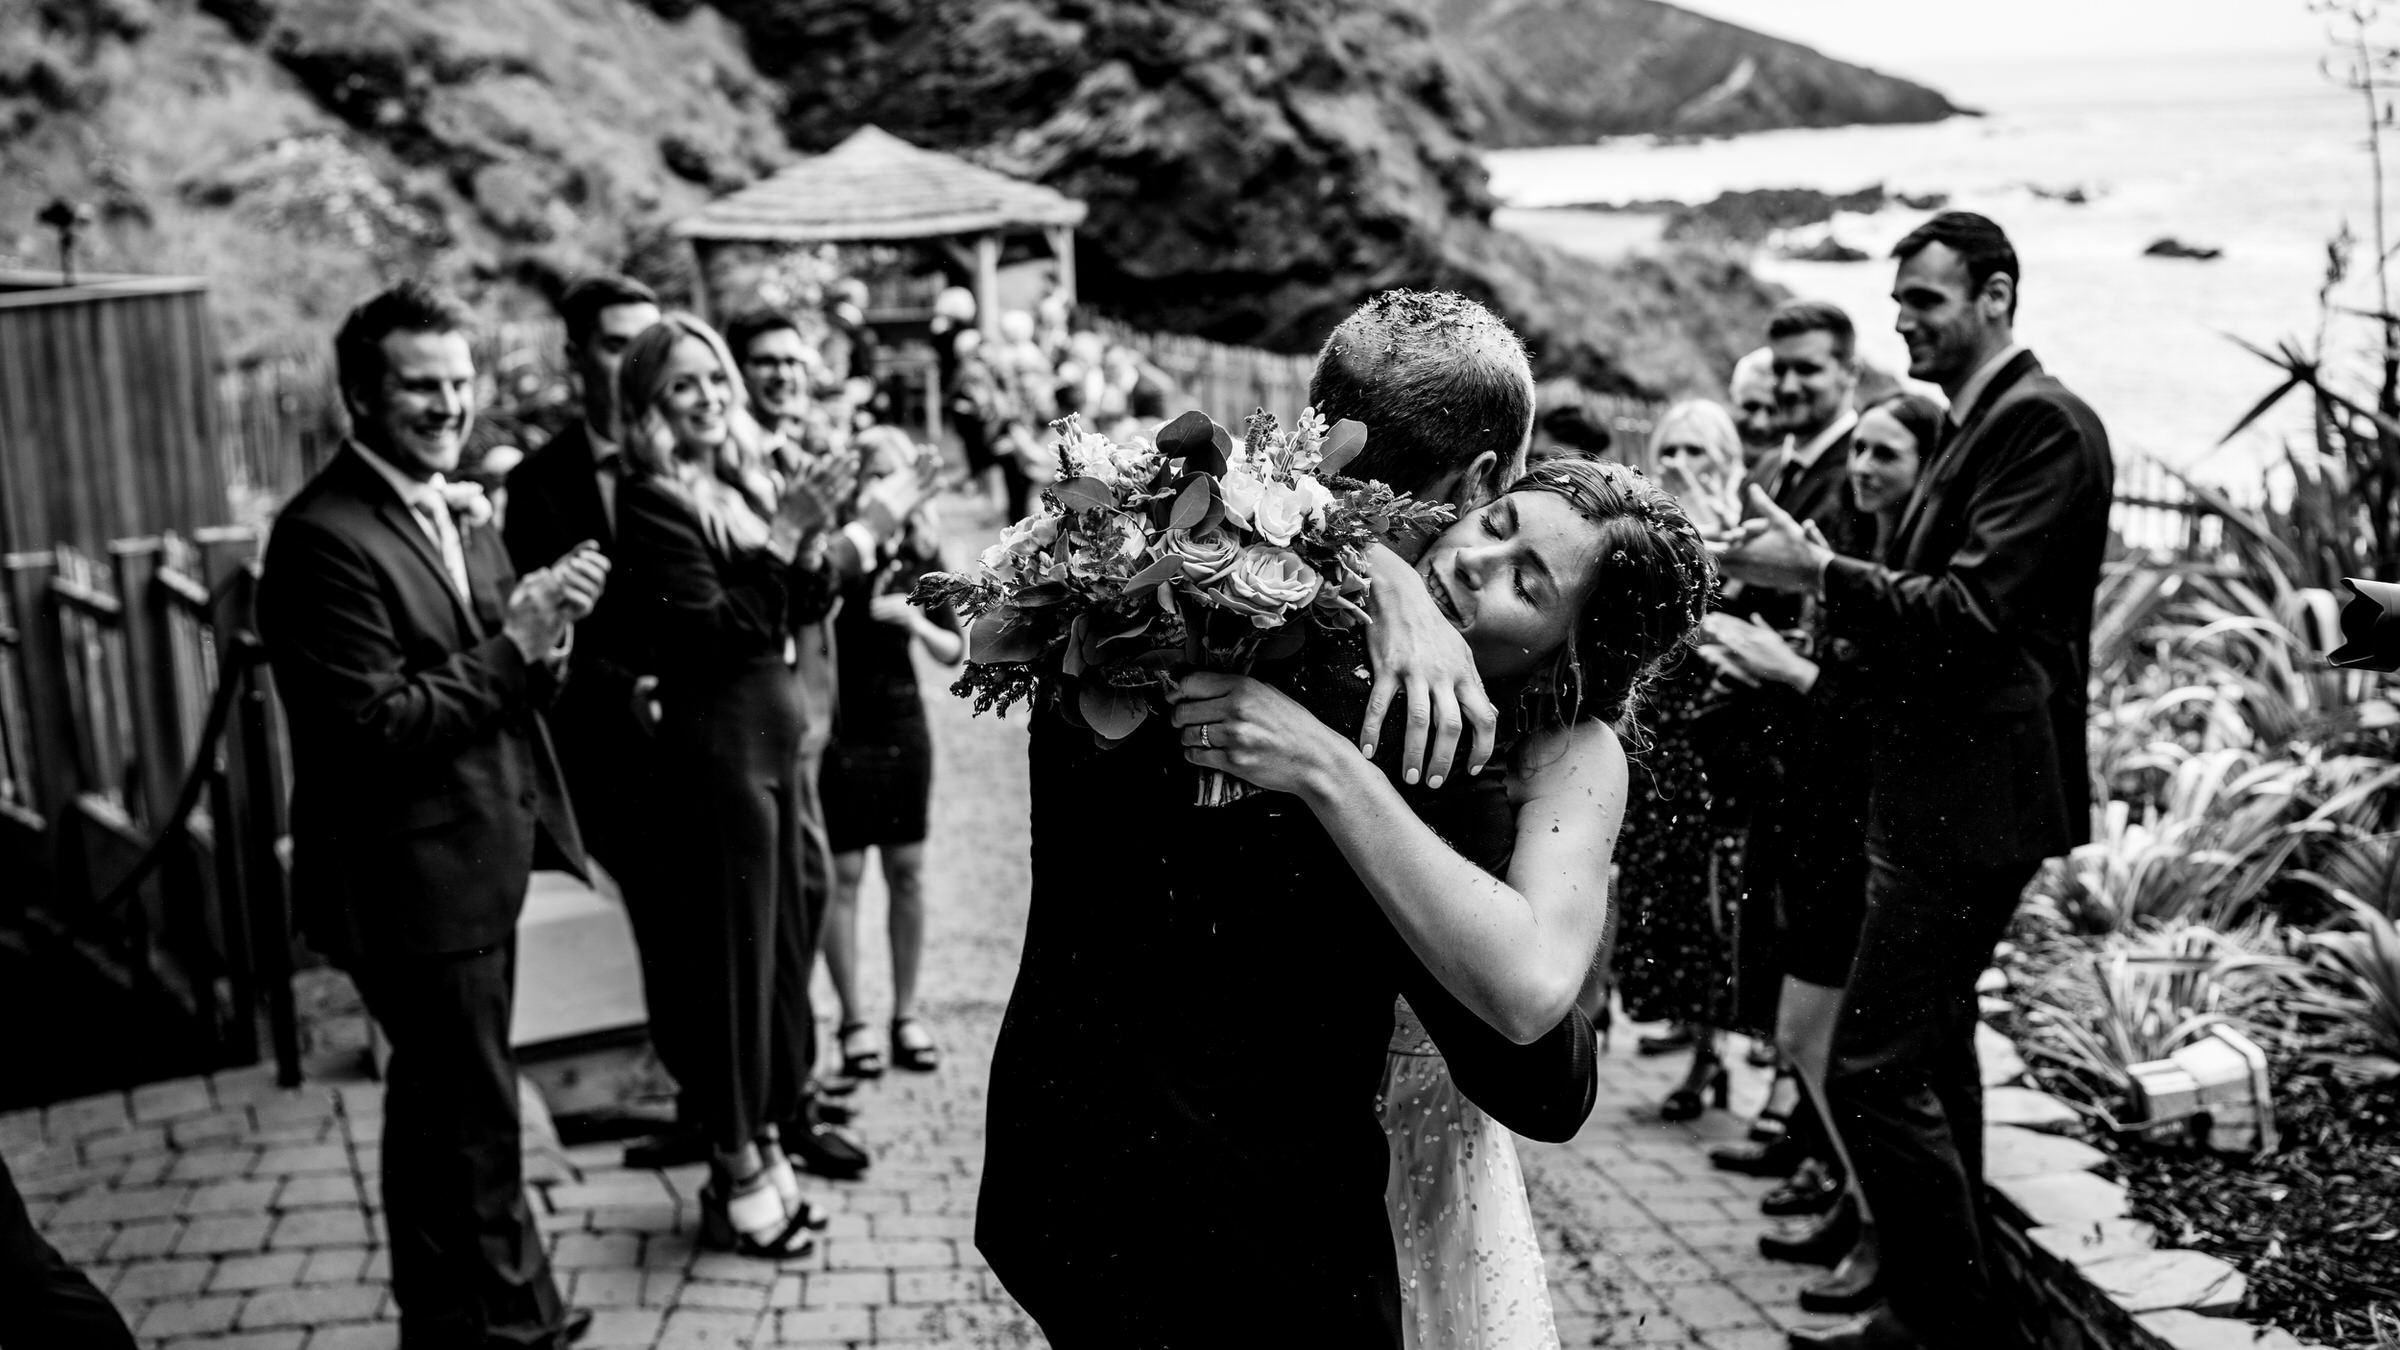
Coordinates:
[1979,631]
[411,662]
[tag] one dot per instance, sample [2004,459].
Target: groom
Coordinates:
[1183,1141]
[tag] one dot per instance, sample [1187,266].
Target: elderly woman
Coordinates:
[1823,889]
[725,558]
[1679,860]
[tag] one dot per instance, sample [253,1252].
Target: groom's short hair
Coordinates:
[1436,379]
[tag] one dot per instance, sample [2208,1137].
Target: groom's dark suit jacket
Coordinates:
[1183,1146]
[1980,630]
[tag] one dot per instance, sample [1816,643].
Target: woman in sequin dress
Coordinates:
[1679,866]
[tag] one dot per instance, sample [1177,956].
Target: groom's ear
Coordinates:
[1477,483]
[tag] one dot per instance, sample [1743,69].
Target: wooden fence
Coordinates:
[105,421]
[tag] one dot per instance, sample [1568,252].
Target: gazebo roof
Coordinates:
[876,186]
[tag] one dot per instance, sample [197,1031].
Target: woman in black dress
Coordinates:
[723,563]
[1822,898]
[878,773]
[1680,859]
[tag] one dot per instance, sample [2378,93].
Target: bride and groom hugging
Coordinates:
[1184,1143]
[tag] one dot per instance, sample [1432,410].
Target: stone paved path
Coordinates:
[227,1214]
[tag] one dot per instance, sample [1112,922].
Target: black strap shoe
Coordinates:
[1813,1189]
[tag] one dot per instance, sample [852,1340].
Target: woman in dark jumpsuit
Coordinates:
[720,578]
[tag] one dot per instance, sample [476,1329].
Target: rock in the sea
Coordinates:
[1827,249]
[1554,72]
[1751,215]
[2171,247]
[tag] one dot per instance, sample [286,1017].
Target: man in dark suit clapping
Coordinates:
[411,662]
[1979,631]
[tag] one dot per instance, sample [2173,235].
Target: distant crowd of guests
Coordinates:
[1843,799]
[681,649]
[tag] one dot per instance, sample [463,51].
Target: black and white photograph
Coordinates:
[1199,674]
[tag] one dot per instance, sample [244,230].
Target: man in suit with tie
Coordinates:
[1978,629]
[411,662]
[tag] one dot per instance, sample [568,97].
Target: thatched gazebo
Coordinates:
[875,188]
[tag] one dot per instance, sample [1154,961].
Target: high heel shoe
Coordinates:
[1708,1077]
[750,1218]
[1823,1243]
[787,1183]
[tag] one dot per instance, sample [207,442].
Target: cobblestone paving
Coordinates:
[227,1214]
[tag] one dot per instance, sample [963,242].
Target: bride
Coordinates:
[1569,590]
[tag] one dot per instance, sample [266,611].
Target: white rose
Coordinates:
[1315,497]
[1281,513]
[1240,489]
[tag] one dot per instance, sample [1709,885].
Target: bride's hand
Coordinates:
[1254,731]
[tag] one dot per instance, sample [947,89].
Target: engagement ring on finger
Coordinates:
[1204,736]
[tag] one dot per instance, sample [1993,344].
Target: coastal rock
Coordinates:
[1827,249]
[1554,72]
[1747,217]
[2171,247]
[1252,170]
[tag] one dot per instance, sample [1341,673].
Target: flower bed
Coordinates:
[2312,1226]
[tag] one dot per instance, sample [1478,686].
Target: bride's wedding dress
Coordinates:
[1471,1273]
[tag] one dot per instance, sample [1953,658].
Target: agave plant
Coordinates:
[2362,966]
[2141,996]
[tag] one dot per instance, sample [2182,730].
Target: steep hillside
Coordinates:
[1253,169]
[1556,72]
[300,153]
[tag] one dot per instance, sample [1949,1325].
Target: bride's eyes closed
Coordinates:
[1497,527]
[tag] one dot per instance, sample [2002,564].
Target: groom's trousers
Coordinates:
[1908,1097]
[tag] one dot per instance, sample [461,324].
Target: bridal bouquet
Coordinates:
[1189,553]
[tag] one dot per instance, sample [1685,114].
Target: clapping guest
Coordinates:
[1820,898]
[1679,859]
[878,775]
[817,444]
[1977,624]
[411,662]
[716,579]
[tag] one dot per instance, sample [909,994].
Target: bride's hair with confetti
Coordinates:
[1653,586]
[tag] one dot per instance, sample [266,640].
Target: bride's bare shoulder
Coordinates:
[1584,757]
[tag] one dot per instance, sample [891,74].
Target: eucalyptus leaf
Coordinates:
[1342,444]
[1084,494]
[1112,714]
[1191,504]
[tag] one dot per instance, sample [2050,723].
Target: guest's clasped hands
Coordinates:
[543,608]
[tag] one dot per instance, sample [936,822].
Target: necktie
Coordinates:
[435,513]
[1784,479]
[607,472]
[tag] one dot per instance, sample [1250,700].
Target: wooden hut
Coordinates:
[875,188]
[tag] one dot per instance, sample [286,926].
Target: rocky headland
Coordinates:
[1253,169]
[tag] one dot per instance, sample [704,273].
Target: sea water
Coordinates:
[2259,155]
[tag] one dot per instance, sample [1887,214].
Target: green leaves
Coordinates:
[1194,504]
[1111,713]
[1083,494]
[1342,445]
[1196,439]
